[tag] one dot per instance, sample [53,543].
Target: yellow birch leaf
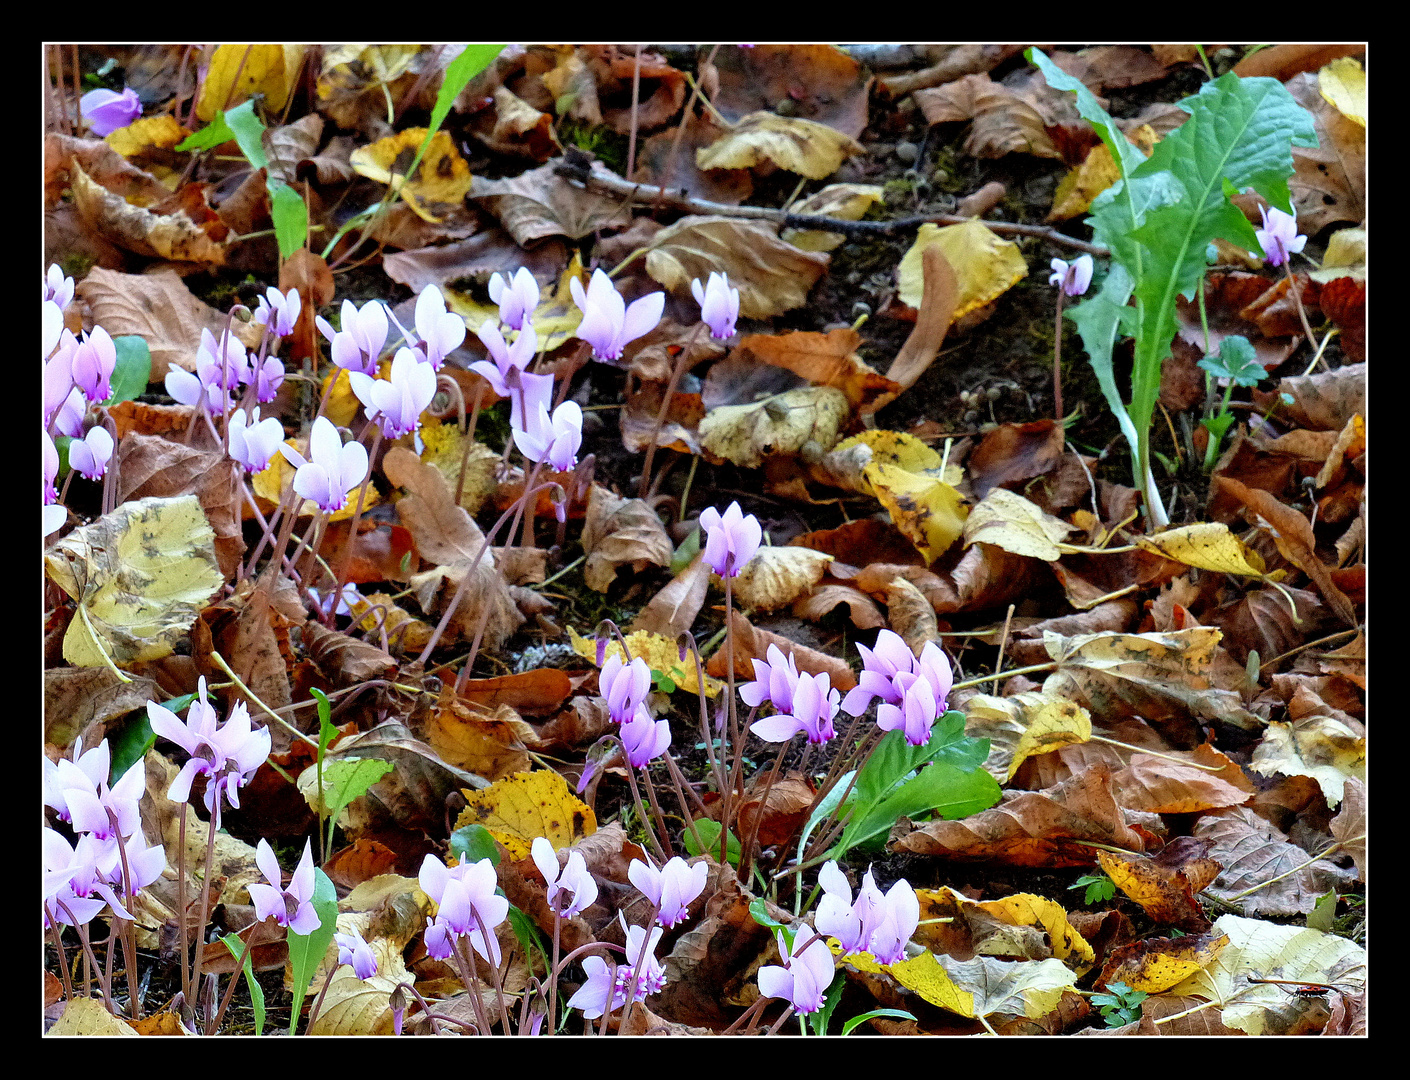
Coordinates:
[442,178]
[782,424]
[1343,84]
[140,576]
[1208,545]
[802,146]
[1008,520]
[920,974]
[927,510]
[660,653]
[148,133]
[849,202]
[527,805]
[271,70]
[1097,172]
[1154,965]
[985,265]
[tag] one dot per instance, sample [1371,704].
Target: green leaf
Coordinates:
[1323,915]
[471,843]
[939,788]
[458,74]
[326,731]
[852,1024]
[61,444]
[249,132]
[345,780]
[237,947]
[129,745]
[306,951]
[133,369]
[214,134]
[820,1019]
[709,831]
[1237,360]
[760,915]
[290,215]
[527,934]
[685,554]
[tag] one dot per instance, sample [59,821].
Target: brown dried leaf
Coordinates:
[672,611]
[1004,121]
[751,643]
[1166,885]
[1032,828]
[79,700]
[620,532]
[1329,183]
[776,576]
[171,236]
[1326,401]
[487,743]
[1013,452]
[910,614]
[1162,786]
[823,82]
[541,203]
[1349,826]
[345,659]
[789,142]
[861,608]
[1156,964]
[1253,852]
[828,359]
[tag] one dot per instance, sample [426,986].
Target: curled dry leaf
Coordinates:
[538,691]
[827,595]
[139,576]
[1166,886]
[660,653]
[620,532]
[1349,826]
[346,659]
[828,359]
[1161,786]
[1329,182]
[1023,726]
[1008,520]
[939,298]
[378,613]
[785,424]
[1327,400]
[78,700]
[164,236]
[1207,545]
[955,924]
[1013,452]
[541,203]
[845,201]
[672,611]
[489,743]
[1253,852]
[353,1006]
[860,543]
[440,183]
[790,142]
[824,82]
[777,576]
[910,614]
[751,643]
[1034,828]
[515,127]
[1317,746]
[985,266]
[1154,965]
[772,276]
[1004,122]
[789,800]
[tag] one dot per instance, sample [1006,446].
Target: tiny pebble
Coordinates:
[907,151]
[971,416]
[994,393]
[786,107]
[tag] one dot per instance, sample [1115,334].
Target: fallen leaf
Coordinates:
[660,653]
[345,659]
[1162,786]
[1023,725]
[784,424]
[488,742]
[861,542]
[790,142]
[822,82]
[1264,950]
[751,643]
[237,72]
[89,1016]
[827,595]
[985,266]
[823,359]
[1097,172]
[1206,545]
[1004,122]
[541,203]
[849,202]
[620,533]
[355,1006]
[772,276]
[1030,988]
[538,691]
[940,295]
[527,805]
[77,699]
[1317,746]
[672,611]
[1154,965]
[1327,400]
[776,576]
[1167,885]
[171,236]
[1013,452]
[1010,521]
[1255,853]
[1349,826]
[1329,183]
[139,575]
[515,127]
[445,449]
[440,183]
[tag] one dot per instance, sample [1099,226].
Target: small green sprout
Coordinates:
[1121,1006]
[1100,888]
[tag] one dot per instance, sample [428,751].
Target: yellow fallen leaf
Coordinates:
[777,576]
[527,805]
[1017,910]
[1154,965]
[442,178]
[1316,746]
[445,448]
[379,609]
[920,974]
[1208,545]
[1343,84]
[274,482]
[1047,723]
[782,424]
[555,320]
[660,653]
[802,146]
[89,1016]
[1097,172]
[930,512]
[985,265]
[850,202]
[270,70]
[148,133]
[353,1006]
[140,575]
[1008,520]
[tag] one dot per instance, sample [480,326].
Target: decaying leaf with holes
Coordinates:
[527,805]
[1154,965]
[139,575]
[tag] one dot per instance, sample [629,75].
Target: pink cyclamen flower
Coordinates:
[252,440]
[222,363]
[89,456]
[775,680]
[279,311]
[731,539]
[805,975]
[58,287]
[356,954]
[517,299]
[291,907]
[671,888]
[51,470]
[349,596]
[555,440]
[570,888]
[624,686]
[602,993]
[915,715]
[332,469]
[69,421]
[881,664]
[82,770]
[719,304]
[89,807]
[813,707]
[504,356]
[643,738]
[465,897]
[92,364]
[267,378]
[1073,278]
[875,923]
[58,371]
[226,755]
[397,403]
[441,331]
[900,917]
[359,343]
[71,877]
[1278,237]
[107,111]
[608,323]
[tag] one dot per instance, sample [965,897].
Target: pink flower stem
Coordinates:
[212,827]
[128,938]
[553,977]
[318,1002]
[494,971]
[90,960]
[681,364]
[661,829]
[465,963]
[641,810]
[746,858]
[345,564]
[636,970]
[62,958]
[1296,295]
[1057,360]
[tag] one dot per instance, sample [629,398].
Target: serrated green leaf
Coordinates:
[342,781]
[133,369]
[290,216]
[307,950]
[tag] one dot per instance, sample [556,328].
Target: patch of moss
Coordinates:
[600,141]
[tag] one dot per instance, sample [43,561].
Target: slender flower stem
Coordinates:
[345,565]
[727,793]
[129,942]
[682,362]
[636,971]
[494,971]
[181,902]
[90,958]
[471,979]
[656,811]
[212,827]
[641,810]
[686,116]
[1296,295]
[1057,360]
[746,858]
[213,1024]
[782,1020]
[58,937]
[318,1002]
[553,977]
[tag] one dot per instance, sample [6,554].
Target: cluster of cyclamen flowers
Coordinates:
[625,686]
